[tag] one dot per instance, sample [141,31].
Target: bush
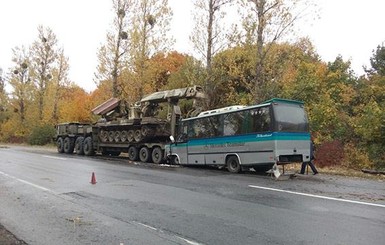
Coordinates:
[41,135]
[356,158]
[329,154]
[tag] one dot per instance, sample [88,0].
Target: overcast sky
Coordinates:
[350,28]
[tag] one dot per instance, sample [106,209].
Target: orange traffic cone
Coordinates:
[93,178]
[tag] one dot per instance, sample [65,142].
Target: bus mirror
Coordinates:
[172,139]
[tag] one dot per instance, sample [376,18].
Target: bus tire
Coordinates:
[60,145]
[88,147]
[233,165]
[69,145]
[144,154]
[133,153]
[157,155]
[79,146]
[174,160]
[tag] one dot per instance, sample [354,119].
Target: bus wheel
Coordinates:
[144,154]
[233,165]
[60,145]
[133,153]
[174,160]
[68,145]
[157,155]
[88,147]
[79,146]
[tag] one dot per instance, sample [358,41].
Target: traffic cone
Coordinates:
[93,178]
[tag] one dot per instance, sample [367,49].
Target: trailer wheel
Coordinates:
[157,155]
[144,154]
[69,145]
[79,146]
[60,145]
[133,153]
[233,165]
[88,147]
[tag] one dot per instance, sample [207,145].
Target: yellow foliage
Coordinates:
[356,158]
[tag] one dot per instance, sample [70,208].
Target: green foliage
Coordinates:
[41,135]
[378,60]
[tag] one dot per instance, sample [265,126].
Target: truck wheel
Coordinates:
[60,145]
[69,145]
[144,154]
[133,153]
[157,155]
[88,147]
[79,146]
[233,165]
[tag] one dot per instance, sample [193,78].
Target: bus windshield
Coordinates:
[290,118]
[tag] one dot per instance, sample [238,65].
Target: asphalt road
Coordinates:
[47,198]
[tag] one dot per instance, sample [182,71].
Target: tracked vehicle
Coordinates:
[138,130]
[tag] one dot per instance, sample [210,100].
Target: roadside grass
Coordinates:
[337,171]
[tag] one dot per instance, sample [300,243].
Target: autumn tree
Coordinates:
[60,81]
[149,34]
[114,54]
[265,23]
[43,56]
[377,61]
[3,94]
[208,37]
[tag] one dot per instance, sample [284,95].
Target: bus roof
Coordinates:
[276,100]
[241,108]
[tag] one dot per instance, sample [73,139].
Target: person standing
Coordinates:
[310,163]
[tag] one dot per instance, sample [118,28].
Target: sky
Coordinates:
[349,28]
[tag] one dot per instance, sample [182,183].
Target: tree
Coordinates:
[60,78]
[3,94]
[377,61]
[148,36]
[21,82]
[208,37]
[43,56]
[265,23]
[113,55]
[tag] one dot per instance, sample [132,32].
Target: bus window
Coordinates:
[232,123]
[261,120]
[290,118]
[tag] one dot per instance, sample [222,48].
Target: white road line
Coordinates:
[189,241]
[57,158]
[147,226]
[26,182]
[159,230]
[318,196]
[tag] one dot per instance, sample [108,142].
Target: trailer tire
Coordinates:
[60,145]
[144,154]
[88,147]
[79,146]
[157,155]
[69,145]
[133,153]
[233,165]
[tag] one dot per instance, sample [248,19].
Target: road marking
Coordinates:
[26,182]
[160,230]
[318,196]
[189,241]
[57,158]
[147,226]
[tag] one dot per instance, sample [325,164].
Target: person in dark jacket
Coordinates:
[311,164]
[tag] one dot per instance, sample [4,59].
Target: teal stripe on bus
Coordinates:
[249,138]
